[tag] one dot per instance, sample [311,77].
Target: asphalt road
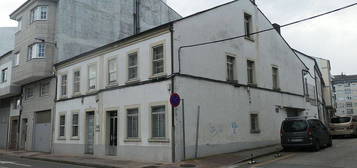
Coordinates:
[343,154]
[15,162]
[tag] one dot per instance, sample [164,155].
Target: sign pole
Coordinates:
[183,129]
[197,131]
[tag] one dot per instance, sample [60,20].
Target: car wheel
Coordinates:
[329,142]
[316,146]
[286,149]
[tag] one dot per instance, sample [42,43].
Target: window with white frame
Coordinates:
[76,81]
[64,85]
[44,89]
[251,72]
[17,59]
[75,124]
[158,121]
[16,104]
[254,123]
[36,51]
[19,24]
[28,93]
[39,13]
[158,59]
[133,66]
[4,75]
[112,71]
[248,25]
[92,76]
[230,68]
[275,77]
[132,123]
[62,125]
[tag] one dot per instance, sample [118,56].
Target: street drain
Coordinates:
[187,165]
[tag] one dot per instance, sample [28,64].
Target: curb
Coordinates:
[258,156]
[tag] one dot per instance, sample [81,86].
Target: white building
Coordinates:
[345,90]
[114,100]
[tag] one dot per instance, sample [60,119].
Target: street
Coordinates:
[15,162]
[342,155]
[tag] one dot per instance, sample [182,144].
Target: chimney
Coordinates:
[277,27]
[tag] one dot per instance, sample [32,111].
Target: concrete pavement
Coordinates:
[341,155]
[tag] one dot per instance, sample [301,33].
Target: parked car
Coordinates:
[302,132]
[345,126]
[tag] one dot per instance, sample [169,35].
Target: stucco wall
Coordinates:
[7,39]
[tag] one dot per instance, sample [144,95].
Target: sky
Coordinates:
[333,37]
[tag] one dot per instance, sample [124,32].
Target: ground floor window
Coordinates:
[158,122]
[62,126]
[75,118]
[254,123]
[132,123]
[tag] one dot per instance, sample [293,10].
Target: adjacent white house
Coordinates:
[114,100]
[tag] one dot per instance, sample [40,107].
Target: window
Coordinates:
[92,77]
[248,25]
[133,66]
[158,59]
[62,125]
[28,93]
[17,59]
[251,72]
[230,68]
[158,122]
[275,72]
[112,71]
[36,51]
[254,123]
[19,24]
[76,82]
[349,111]
[133,123]
[39,13]
[348,104]
[4,75]
[75,125]
[44,89]
[64,85]
[16,104]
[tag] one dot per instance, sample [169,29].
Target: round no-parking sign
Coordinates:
[175,99]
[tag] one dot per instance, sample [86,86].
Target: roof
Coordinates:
[344,78]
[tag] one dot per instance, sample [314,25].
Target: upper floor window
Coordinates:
[275,76]
[158,60]
[63,85]
[36,51]
[28,92]
[17,59]
[16,104]
[19,24]
[76,81]
[112,71]
[39,13]
[230,68]
[4,75]
[44,89]
[92,77]
[251,72]
[248,25]
[133,66]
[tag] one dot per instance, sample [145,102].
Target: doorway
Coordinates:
[90,133]
[112,130]
[23,133]
[13,134]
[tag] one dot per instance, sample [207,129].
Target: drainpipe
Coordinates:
[136,16]
[19,120]
[172,91]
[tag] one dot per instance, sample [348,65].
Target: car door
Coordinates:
[324,133]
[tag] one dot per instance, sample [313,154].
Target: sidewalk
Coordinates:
[223,160]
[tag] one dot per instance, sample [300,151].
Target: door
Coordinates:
[42,132]
[13,134]
[23,133]
[90,133]
[113,132]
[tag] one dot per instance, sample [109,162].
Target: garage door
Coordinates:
[42,132]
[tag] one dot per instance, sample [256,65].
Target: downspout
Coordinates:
[172,91]
[317,94]
[53,112]
[19,122]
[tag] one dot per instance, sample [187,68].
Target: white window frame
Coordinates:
[248,20]
[127,108]
[39,13]
[230,66]
[62,137]
[75,125]
[94,78]
[134,66]
[159,139]
[19,24]
[36,51]
[64,86]
[112,72]
[17,59]
[153,46]
[76,82]
[4,75]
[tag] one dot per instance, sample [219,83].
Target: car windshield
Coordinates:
[295,126]
[340,120]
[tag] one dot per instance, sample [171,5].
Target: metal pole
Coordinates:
[183,130]
[197,131]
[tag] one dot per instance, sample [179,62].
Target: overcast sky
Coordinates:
[332,37]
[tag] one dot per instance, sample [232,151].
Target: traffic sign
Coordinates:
[175,99]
